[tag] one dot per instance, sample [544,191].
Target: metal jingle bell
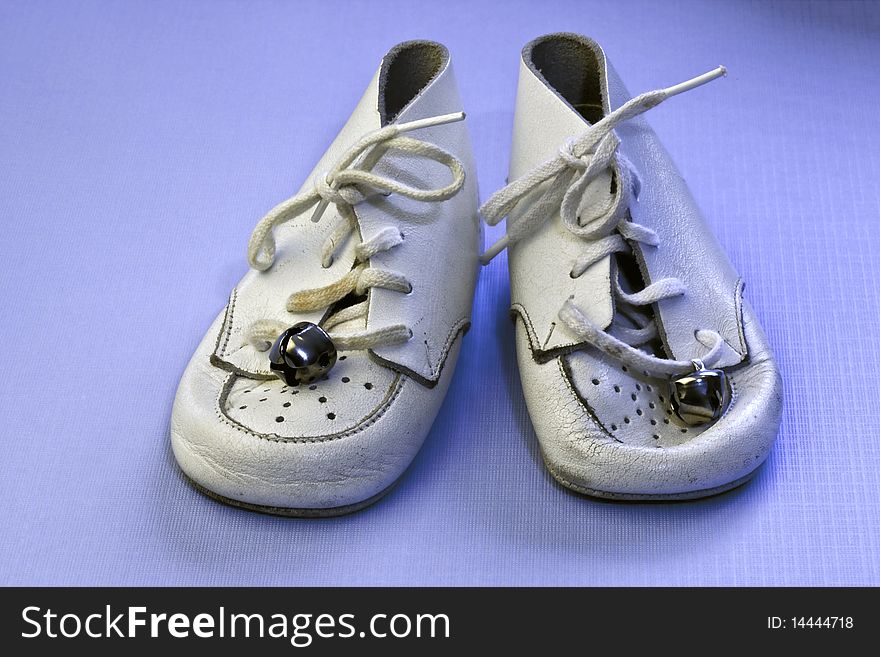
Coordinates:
[701,396]
[302,354]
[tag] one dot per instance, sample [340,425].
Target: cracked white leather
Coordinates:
[573,420]
[604,429]
[308,462]
[241,433]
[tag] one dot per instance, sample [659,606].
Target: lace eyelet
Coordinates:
[410,291]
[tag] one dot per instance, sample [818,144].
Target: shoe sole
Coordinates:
[650,497]
[332,512]
[290,512]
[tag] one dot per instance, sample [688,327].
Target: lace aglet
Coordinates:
[319,210]
[693,83]
[490,253]
[431,121]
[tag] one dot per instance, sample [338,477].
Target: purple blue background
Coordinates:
[141,141]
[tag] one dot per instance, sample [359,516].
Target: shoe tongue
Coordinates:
[351,325]
[357,323]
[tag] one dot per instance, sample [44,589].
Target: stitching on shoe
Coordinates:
[226,326]
[564,372]
[540,355]
[566,378]
[738,301]
[459,328]
[734,395]
[231,316]
[447,345]
[217,358]
[368,420]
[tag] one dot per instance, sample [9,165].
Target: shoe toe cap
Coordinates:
[610,432]
[331,444]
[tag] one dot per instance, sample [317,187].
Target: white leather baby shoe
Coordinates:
[313,390]
[645,372]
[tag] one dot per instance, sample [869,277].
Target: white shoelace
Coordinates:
[579,162]
[345,185]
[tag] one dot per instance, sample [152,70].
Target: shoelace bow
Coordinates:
[578,163]
[348,183]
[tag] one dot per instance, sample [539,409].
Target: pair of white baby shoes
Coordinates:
[645,371]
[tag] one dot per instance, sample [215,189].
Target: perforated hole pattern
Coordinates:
[633,407]
[341,399]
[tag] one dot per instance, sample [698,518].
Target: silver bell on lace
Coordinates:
[302,354]
[701,396]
